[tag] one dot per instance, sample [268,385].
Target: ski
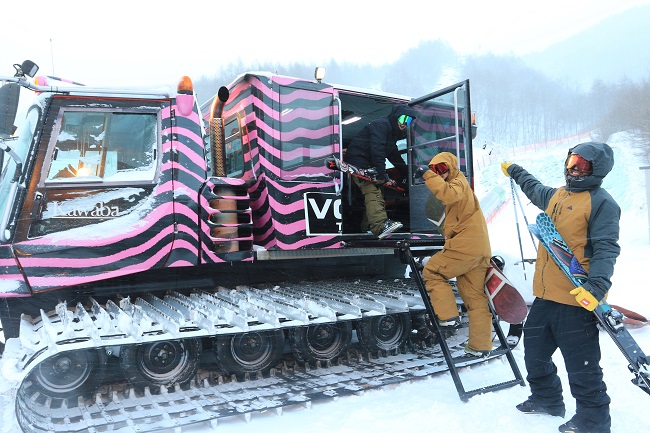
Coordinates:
[367,174]
[610,319]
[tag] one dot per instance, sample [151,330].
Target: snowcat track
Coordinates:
[211,398]
[116,406]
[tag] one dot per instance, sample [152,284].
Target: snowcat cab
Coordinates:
[277,133]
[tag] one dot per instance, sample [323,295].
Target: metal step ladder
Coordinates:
[405,250]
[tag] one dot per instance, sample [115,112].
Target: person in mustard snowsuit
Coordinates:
[561,316]
[465,256]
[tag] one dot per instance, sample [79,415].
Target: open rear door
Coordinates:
[444,125]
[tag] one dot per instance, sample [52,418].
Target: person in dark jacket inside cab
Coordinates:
[377,142]
[561,316]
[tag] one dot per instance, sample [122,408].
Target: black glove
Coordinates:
[370,173]
[390,182]
[383,180]
[419,172]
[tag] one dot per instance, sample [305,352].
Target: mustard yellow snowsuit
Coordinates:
[465,256]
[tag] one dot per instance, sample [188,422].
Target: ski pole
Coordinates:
[524,214]
[521,249]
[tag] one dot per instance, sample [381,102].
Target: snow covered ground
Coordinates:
[432,404]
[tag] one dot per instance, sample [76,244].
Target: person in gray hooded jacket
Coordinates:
[561,316]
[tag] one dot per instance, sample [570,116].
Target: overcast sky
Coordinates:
[141,42]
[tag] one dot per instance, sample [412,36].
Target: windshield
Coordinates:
[7,185]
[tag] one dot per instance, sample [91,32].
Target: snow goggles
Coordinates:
[405,119]
[578,164]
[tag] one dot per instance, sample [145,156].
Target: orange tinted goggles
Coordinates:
[578,163]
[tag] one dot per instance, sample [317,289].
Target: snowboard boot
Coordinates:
[570,427]
[471,355]
[451,323]
[389,227]
[533,408]
[477,353]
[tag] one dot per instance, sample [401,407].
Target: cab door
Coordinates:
[96,206]
[444,124]
[307,214]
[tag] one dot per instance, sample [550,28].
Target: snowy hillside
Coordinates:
[432,404]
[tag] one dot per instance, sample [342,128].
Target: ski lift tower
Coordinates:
[647,193]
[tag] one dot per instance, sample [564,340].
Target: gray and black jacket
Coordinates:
[586,216]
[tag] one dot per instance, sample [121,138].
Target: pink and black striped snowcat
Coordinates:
[165,263]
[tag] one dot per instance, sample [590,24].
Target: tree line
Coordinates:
[514,104]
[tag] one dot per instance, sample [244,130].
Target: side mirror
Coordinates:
[9,96]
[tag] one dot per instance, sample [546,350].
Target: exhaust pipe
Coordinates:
[217,135]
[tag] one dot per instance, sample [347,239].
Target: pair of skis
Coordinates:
[610,319]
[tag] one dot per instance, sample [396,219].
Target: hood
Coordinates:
[399,109]
[602,162]
[452,163]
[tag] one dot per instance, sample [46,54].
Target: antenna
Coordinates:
[52,55]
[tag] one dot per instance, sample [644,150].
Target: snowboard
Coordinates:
[631,318]
[610,320]
[367,174]
[505,299]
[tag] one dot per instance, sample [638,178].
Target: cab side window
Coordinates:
[307,136]
[234,149]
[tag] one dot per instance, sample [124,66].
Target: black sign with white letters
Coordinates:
[323,214]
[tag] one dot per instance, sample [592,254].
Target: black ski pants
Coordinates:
[573,330]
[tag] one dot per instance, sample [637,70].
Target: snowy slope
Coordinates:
[432,404]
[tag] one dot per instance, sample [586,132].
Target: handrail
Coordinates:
[430,142]
[456,124]
[10,152]
[85,90]
[339,187]
[12,193]
[7,212]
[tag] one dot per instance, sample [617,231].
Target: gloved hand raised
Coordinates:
[504,167]
[440,168]
[419,172]
[585,298]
